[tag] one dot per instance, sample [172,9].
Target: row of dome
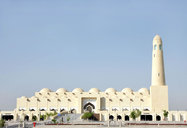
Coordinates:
[95,90]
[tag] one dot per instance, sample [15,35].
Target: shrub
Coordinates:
[43,117]
[133,115]
[87,115]
[51,114]
[2,123]
[68,119]
[54,121]
[165,113]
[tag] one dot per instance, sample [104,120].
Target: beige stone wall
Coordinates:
[159,98]
[127,99]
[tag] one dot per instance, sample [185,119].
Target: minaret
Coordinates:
[158,89]
[158,75]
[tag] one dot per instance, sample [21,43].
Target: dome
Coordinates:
[78,90]
[94,90]
[45,90]
[109,90]
[127,90]
[61,90]
[144,91]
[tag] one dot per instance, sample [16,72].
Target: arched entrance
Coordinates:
[126,118]
[158,118]
[34,118]
[26,118]
[111,117]
[118,117]
[89,107]
[42,117]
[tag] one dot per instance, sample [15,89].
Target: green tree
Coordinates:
[135,114]
[165,114]
[50,114]
[2,123]
[68,119]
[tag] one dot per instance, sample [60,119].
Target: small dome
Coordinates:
[23,97]
[61,90]
[127,90]
[78,90]
[109,90]
[33,97]
[94,90]
[45,90]
[144,91]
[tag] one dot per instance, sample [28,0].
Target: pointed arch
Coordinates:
[89,104]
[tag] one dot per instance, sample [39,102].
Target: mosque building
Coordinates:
[109,104]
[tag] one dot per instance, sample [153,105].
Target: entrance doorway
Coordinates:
[146,117]
[158,118]
[26,118]
[118,117]
[126,118]
[7,117]
[89,107]
[111,117]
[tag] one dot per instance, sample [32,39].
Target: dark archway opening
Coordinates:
[89,104]
[118,117]
[89,107]
[7,117]
[126,118]
[146,117]
[142,117]
[111,117]
[34,118]
[26,118]
[42,118]
[158,118]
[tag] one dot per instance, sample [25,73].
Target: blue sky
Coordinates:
[102,43]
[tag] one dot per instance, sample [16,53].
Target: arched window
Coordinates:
[160,47]
[111,117]
[118,117]
[126,118]
[26,118]
[155,47]
[158,118]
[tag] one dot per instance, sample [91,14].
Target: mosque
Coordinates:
[109,104]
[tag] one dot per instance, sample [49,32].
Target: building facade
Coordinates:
[110,104]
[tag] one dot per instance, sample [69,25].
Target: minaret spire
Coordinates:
[158,75]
